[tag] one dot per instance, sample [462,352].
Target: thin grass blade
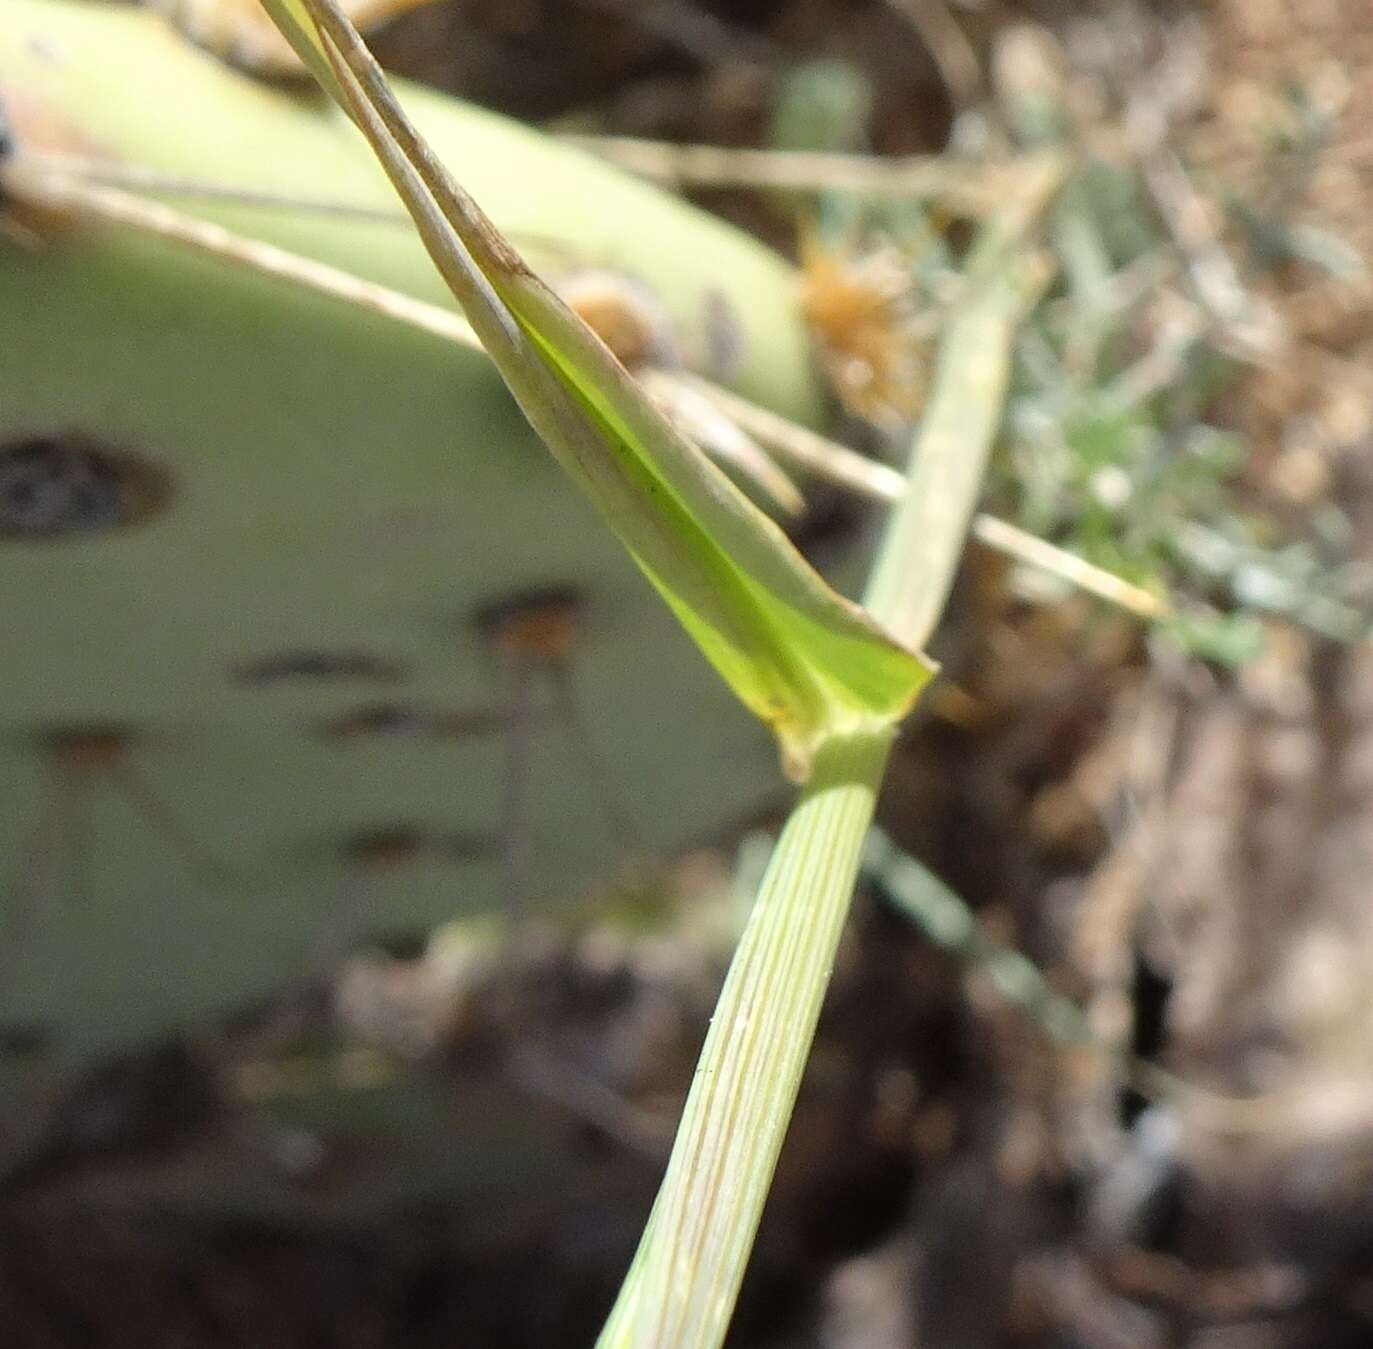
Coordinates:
[295,26]
[803,658]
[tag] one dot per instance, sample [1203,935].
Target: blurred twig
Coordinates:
[965,188]
[57,184]
[949,47]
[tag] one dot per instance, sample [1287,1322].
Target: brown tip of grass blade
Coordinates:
[348,57]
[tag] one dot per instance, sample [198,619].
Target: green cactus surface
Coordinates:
[251,711]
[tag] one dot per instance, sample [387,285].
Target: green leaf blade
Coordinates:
[294,24]
[816,662]
[804,659]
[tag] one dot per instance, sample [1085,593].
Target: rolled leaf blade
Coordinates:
[295,26]
[803,658]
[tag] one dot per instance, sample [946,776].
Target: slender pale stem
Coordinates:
[79,185]
[687,1274]
[925,537]
[967,189]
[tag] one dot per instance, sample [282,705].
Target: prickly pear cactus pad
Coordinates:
[296,650]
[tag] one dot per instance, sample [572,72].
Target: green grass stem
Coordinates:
[681,1289]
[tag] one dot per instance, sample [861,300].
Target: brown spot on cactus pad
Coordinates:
[63,484]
